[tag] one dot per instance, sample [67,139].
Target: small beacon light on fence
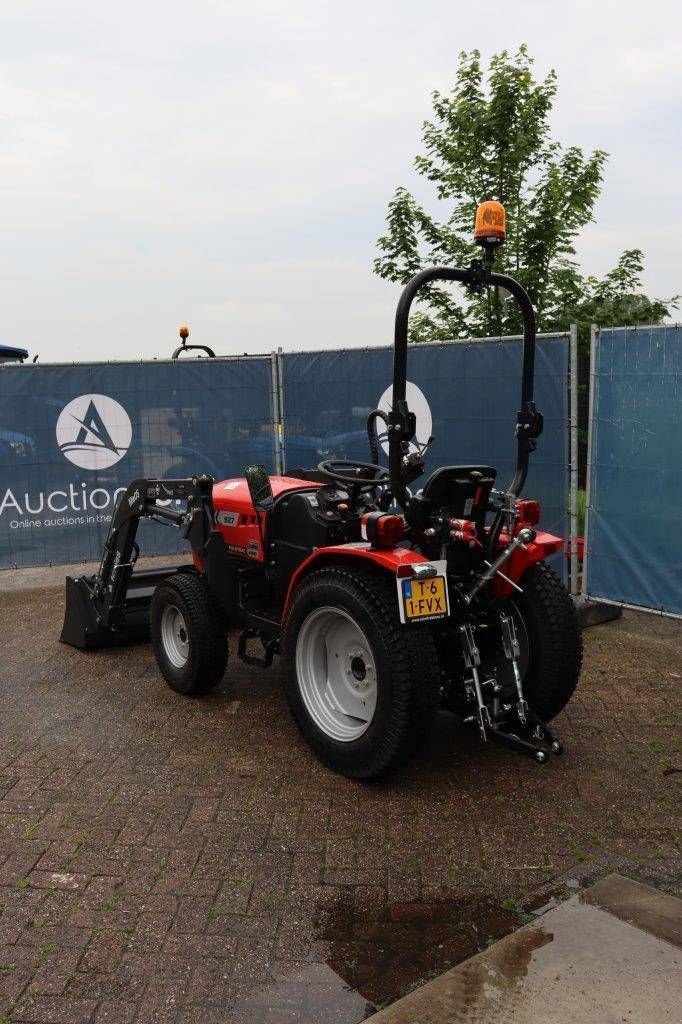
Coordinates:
[491,223]
[184,333]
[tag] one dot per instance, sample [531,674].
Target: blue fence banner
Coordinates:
[72,436]
[634,535]
[465,394]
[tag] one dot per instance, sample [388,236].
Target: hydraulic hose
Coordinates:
[372,434]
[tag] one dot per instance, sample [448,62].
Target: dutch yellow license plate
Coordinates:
[422,600]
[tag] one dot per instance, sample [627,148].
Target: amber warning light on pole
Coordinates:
[491,223]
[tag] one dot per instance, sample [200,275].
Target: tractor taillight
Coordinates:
[390,530]
[382,530]
[529,513]
[491,223]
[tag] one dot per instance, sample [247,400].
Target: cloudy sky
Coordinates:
[229,164]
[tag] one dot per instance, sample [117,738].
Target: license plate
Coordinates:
[423,600]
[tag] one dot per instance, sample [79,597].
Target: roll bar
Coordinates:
[402,423]
[184,347]
[187,348]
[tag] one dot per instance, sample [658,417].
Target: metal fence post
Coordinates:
[594,339]
[275,392]
[573,488]
[280,400]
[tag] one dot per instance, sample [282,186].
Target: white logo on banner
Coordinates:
[94,431]
[417,403]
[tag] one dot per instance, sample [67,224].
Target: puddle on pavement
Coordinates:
[385,955]
[372,959]
[375,957]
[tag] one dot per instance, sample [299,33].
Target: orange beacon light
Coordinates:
[491,223]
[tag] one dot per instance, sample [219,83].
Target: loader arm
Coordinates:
[111,606]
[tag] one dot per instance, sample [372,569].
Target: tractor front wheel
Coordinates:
[189,634]
[362,688]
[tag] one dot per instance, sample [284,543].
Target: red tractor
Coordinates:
[385,604]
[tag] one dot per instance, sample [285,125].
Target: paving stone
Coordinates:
[189,861]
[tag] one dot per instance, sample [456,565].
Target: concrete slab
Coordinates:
[608,955]
[646,908]
[592,613]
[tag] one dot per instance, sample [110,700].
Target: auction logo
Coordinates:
[418,404]
[94,431]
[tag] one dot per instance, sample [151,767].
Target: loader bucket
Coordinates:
[81,626]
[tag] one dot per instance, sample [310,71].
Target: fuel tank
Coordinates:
[236,516]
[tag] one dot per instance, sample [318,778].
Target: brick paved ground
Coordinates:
[165,860]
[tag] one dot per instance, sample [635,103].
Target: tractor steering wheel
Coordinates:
[358,475]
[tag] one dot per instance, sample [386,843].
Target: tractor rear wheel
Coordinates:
[189,634]
[362,688]
[553,641]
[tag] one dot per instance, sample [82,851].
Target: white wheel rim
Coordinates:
[336,674]
[174,636]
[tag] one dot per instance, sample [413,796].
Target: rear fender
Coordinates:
[544,545]
[387,559]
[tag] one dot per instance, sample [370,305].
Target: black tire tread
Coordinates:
[557,639]
[207,629]
[413,666]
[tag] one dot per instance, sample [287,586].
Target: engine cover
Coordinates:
[236,516]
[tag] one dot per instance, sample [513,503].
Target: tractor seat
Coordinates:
[463,491]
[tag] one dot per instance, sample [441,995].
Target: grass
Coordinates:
[514,907]
[582,504]
[110,903]
[45,951]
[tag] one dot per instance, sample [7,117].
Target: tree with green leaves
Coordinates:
[490,138]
